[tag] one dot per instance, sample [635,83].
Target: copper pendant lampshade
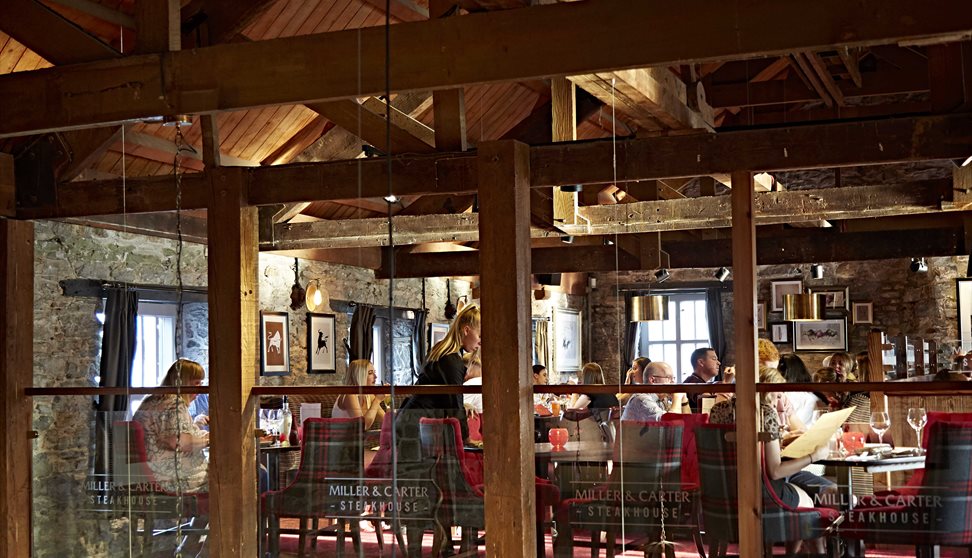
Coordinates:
[803,307]
[649,308]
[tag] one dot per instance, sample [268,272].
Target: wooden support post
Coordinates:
[232,366]
[16,362]
[8,188]
[563,104]
[747,400]
[210,138]
[504,252]
[448,105]
[157,26]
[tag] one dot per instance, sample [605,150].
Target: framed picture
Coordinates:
[780,288]
[761,316]
[437,332]
[567,339]
[780,332]
[863,312]
[963,290]
[837,297]
[821,335]
[274,344]
[320,343]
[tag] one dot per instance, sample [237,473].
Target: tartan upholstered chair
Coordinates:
[717,473]
[332,456]
[939,513]
[690,470]
[644,486]
[146,499]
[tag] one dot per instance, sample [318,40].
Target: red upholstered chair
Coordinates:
[939,513]
[332,455]
[717,468]
[146,499]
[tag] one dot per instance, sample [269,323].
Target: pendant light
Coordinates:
[803,307]
[649,308]
[315,295]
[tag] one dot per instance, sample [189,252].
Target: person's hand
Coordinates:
[201,420]
[629,378]
[729,375]
[788,437]
[376,402]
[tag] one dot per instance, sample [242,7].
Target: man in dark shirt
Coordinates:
[705,367]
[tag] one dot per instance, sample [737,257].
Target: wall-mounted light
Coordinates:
[297,293]
[569,239]
[450,309]
[816,271]
[918,265]
[315,295]
[722,274]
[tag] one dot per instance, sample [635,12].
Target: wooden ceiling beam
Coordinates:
[50,35]
[775,149]
[810,245]
[820,67]
[808,72]
[856,202]
[538,41]
[363,121]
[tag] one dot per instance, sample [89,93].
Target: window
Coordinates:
[155,348]
[673,340]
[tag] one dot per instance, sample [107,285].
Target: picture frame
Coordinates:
[781,332]
[780,288]
[863,312]
[567,339]
[437,332]
[761,316]
[963,295]
[837,297]
[820,335]
[321,346]
[274,344]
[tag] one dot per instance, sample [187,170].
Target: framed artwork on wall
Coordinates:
[863,312]
[274,344]
[761,316]
[820,335]
[837,297]
[320,343]
[780,288]
[567,339]
[780,333]
[437,332]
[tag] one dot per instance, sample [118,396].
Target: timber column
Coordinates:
[232,366]
[749,475]
[504,262]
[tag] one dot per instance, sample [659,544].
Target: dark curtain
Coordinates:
[717,330]
[630,347]
[117,352]
[419,342]
[362,340]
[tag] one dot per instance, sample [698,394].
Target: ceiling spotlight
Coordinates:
[573,188]
[722,274]
[967,161]
[607,241]
[569,239]
[662,275]
[816,271]
[918,265]
[391,198]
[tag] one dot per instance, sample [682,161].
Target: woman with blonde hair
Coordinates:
[592,374]
[173,442]
[361,372]
[443,366]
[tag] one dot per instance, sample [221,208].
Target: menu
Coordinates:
[818,435]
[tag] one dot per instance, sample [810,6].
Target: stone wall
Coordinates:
[919,304]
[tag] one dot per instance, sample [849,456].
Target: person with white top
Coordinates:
[360,373]
[473,402]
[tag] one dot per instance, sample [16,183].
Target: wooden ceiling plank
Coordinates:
[50,35]
[85,147]
[401,10]
[228,72]
[298,17]
[370,126]
[820,67]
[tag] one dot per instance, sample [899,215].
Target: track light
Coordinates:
[967,161]
[918,265]
[572,188]
[662,275]
[722,274]
[816,271]
[607,242]
[567,239]
[391,198]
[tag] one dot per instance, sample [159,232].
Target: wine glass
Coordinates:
[880,423]
[271,420]
[917,419]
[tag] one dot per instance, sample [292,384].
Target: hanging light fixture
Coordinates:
[722,274]
[315,295]
[450,309]
[649,308]
[803,307]
[297,294]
